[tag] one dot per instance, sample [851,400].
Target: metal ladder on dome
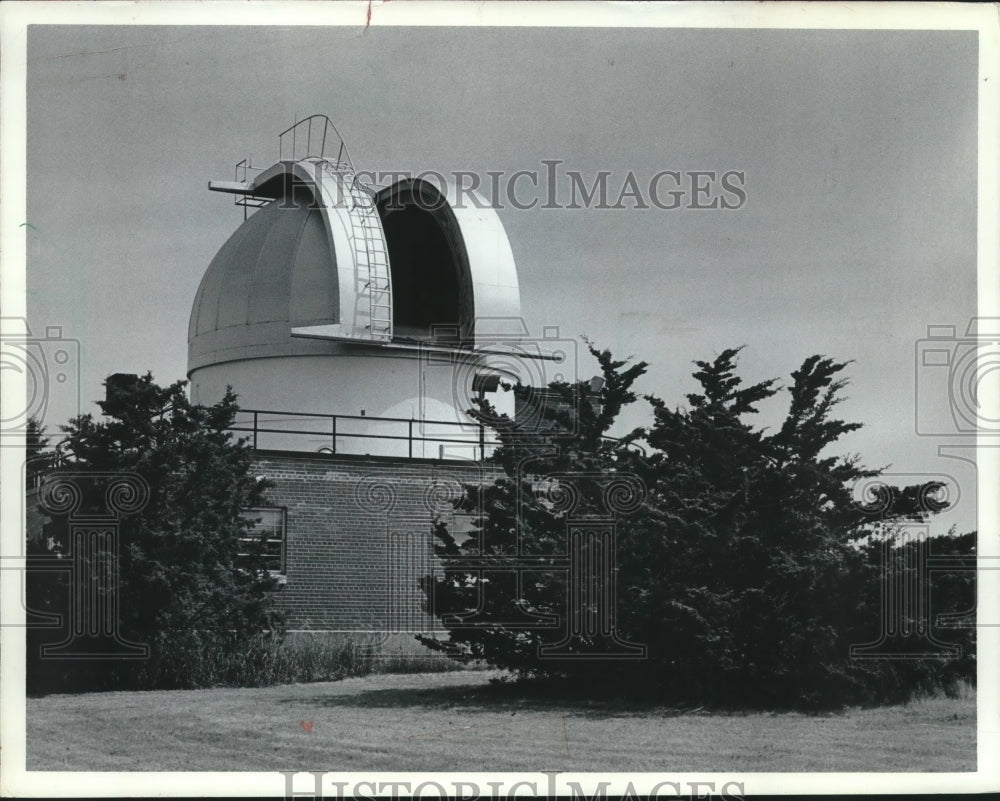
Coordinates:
[373,290]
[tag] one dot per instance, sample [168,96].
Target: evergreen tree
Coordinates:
[190,580]
[520,515]
[37,458]
[747,570]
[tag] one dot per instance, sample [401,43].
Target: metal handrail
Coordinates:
[320,415]
[343,435]
[255,427]
[343,165]
[45,463]
[327,124]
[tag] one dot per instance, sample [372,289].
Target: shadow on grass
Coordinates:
[504,697]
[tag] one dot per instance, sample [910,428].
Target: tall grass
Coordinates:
[193,661]
[197,659]
[957,690]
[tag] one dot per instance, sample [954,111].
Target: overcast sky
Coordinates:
[858,150]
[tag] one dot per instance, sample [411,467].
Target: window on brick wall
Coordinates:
[268,530]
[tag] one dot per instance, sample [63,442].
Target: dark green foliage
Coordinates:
[508,516]
[37,459]
[747,571]
[179,588]
[35,440]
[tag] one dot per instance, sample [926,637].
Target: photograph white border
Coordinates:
[14,19]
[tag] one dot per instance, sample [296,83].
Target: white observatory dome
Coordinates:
[276,271]
[334,299]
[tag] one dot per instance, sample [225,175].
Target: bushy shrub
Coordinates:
[181,589]
[746,570]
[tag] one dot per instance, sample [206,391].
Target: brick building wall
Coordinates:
[358,536]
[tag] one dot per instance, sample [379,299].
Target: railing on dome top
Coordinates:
[317,130]
[308,138]
[283,431]
[314,145]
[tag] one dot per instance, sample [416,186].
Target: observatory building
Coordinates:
[337,297]
[355,323]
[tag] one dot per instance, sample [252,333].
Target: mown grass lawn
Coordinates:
[457,722]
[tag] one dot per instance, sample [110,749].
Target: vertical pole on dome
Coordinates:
[322,147]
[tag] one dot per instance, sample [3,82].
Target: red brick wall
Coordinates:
[359,536]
